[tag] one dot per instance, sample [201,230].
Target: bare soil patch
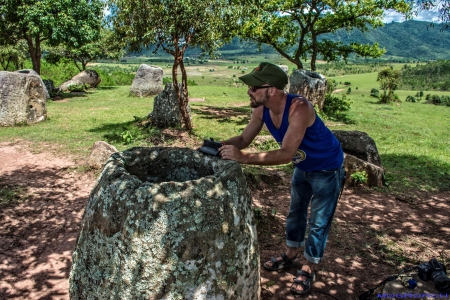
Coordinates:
[373,234]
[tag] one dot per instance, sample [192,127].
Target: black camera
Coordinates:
[435,271]
[210,147]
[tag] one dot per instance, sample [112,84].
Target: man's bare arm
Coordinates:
[250,131]
[301,116]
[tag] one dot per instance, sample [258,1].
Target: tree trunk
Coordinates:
[178,61]
[184,100]
[35,53]
[314,52]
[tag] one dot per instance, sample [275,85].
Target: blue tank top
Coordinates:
[319,149]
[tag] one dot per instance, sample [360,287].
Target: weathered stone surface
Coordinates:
[352,164]
[285,69]
[166,110]
[22,99]
[359,144]
[309,84]
[100,153]
[89,77]
[49,85]
[33,72]
[147,81]
[167,223]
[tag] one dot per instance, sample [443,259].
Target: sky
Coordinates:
[429,16]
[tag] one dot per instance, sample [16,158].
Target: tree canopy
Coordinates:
[294,28]
[51,21]
[175,25]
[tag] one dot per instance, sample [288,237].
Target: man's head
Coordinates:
[266,74]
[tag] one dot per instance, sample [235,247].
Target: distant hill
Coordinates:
[410,39]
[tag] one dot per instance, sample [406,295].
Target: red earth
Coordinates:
[373,235]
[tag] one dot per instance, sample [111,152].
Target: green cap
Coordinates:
[266,73]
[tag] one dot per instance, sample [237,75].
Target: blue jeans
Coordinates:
[321,190]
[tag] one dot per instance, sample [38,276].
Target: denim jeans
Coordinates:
[321,190]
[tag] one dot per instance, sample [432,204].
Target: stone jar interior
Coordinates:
[167,223]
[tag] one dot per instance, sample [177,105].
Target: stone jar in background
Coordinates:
[167,223]
[148,81]
[309,84]
[22,99]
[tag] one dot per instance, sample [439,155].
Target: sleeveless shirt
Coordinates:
[319,149]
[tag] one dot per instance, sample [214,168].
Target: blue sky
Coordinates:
[429,16]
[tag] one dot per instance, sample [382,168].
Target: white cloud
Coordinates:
[428,16]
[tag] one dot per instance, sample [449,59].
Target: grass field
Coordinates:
[412,138]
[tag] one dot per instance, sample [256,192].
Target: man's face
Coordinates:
[258,96]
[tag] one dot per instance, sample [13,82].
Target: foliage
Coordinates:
[335,107]
[410,99]
[438,100]
[428,76]
[54,22]
[80,87]
[441,6]
[389,80]
[114,76]
[174,26]
[296,28]
[12,57]
[359,177]
[375,93]
[103,48]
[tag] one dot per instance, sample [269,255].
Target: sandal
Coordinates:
[278,265]
[306,284]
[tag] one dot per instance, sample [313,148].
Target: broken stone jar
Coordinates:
[167,223]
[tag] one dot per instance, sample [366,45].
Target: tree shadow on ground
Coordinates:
[239,115]
[39,232]
[373,236]
[107,88]
[112,132]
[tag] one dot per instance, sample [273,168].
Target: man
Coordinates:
[316,154]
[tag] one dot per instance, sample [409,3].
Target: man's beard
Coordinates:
[262,101]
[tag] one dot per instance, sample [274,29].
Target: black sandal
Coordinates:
[278,265]
[306,284]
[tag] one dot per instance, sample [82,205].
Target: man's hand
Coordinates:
[232,153]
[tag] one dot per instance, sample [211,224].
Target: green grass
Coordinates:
[11,194]
[412,138]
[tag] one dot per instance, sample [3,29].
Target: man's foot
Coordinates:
[281,262]
[302,284]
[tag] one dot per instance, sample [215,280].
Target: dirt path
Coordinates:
[371,236]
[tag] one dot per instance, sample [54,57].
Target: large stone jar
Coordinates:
[167,223]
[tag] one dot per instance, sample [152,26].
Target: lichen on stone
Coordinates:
[188,235]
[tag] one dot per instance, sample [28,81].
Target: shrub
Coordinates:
[78,87]
[334,107]
[410,98]
[347,83]
[166,80]
[375,93]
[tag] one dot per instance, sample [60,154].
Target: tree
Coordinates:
[441,6]
[104,48]
[389,80]
[51,21]
[296,28]
[175,25]
[13,55]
